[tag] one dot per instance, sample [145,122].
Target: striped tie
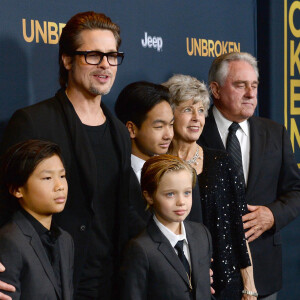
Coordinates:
[234,148]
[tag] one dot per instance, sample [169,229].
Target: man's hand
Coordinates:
[257,221]
[5,287]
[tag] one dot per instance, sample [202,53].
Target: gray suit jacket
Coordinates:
[273,181]
[152,270]
[27,265]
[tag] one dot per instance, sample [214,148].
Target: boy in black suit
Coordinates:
[170,260]
[38,254]
[144,108]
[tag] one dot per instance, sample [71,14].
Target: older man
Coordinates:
[95,145]
[262,152]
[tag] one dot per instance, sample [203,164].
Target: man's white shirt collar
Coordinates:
[243,135]
[223,124]
[137,165]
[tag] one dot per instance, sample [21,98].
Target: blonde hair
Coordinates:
[157,166]
[184,88]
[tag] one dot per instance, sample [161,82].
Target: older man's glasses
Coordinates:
[96,57]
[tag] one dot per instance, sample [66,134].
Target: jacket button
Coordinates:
[82,228]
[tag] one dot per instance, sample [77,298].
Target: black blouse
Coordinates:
[222,197]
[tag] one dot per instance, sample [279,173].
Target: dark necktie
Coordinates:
[234,148]
[179,248]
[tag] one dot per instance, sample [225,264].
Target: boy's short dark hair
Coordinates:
[137,99]
[18,163]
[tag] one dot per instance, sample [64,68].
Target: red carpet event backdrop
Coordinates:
[161,38]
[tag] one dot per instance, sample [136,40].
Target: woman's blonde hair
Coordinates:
[184,88]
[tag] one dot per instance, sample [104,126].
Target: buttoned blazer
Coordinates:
[273,181]
[27,265]
[152,270]
[55,120]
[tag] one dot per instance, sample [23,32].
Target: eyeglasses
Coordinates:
[95,57]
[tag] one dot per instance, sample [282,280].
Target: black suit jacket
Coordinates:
[138,215]
[273,181]
[27,265]
[152,270]
[56,120]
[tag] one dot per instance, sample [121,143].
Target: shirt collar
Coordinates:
[223,124]
[54,231]
[171,236]
[137,163]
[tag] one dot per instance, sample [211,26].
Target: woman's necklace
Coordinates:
[193,160]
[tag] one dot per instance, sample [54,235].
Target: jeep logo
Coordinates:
[155,42]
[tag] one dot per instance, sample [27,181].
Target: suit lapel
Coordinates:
[257,149]
[65,269]
[167,250]
[123,147]
[194,252]
[37,246]
[116,134]
[210,136]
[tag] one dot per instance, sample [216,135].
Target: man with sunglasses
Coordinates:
[95,146]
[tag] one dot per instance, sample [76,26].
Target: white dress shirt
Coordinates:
[243,135]
[174,238]
[137,165]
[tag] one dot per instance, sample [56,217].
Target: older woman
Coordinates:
[219,189]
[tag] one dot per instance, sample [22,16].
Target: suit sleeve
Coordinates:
[11,258]
[134,273]
[209,241]
[287,205]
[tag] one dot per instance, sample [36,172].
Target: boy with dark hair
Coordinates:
[145,110]
[37,254]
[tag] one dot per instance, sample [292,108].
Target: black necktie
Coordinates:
[179,248]
[234,148]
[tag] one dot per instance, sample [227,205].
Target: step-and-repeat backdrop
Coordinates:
[159,38]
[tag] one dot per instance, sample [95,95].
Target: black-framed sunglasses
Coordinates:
[95,57]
